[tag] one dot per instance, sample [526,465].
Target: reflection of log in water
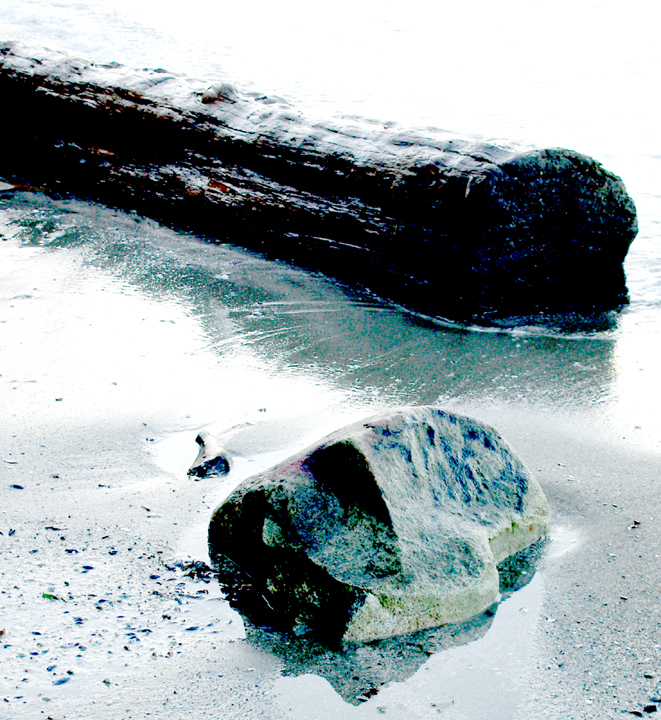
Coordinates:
[455,227]
[357,672]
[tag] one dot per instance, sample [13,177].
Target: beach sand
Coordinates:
[121,340]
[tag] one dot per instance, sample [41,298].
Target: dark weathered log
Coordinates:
[454,227]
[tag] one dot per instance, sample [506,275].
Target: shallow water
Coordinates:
[291,338]
[165,333]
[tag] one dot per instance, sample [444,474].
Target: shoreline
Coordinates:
[314,358]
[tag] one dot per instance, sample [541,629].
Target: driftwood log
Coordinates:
[461,228]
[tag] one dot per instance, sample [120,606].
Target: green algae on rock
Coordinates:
[390,525]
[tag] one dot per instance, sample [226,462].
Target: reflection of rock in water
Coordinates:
[518,570]
[357,672]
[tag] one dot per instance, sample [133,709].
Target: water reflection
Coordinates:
[358,672]
[483,679]
[321,352]
[305,322]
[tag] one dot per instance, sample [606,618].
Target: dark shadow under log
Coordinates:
[460,228]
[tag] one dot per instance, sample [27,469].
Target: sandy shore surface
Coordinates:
[120,340]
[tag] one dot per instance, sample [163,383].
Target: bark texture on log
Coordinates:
[461,228]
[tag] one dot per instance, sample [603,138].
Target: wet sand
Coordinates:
[121,340]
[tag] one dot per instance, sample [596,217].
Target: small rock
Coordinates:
[212,458]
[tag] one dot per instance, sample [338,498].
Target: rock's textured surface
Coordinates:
[387,526]
[465,228]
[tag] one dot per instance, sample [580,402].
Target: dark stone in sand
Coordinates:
[212,458]
[459,227]
[388,526]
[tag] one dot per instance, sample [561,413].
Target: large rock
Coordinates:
[465,228]
[387,526]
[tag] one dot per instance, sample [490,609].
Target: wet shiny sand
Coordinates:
[121,340]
